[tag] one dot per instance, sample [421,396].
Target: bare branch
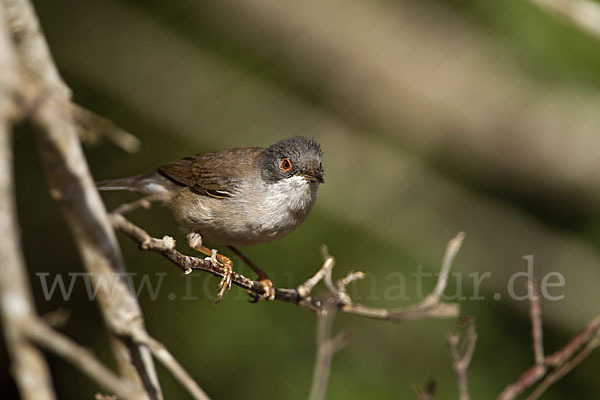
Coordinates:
[80,357]
[71,184]
[323,274]
[563,360]
[461,350]
[326,348]
[92,127]
[166,358]
[535,373]
[535,313]
[430,307]
[27,364]
[144,202]
[566,352]
[567,364]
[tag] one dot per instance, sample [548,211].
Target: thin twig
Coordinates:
[561,356]
[538,370]
[461,350]
[452,249]
[535,313]
[92,127]
[144,202]
[166,358]
[563,360]
[326,348]
[565,368]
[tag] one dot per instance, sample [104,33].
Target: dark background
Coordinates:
[435,117]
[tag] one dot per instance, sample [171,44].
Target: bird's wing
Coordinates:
[213,174]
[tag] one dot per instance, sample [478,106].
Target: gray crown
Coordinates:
[304,153]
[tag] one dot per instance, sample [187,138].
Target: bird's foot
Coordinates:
[213,258]
[217,260]
[268,291]
[225,283]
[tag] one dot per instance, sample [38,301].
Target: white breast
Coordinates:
[283,206]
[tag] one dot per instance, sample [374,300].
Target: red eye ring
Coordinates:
[286,164]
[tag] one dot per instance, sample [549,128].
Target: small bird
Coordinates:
[236,197]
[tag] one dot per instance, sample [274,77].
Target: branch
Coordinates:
[430,307]
[72,185]
[91,127]
[326,348]
[461,350]
[561,362]
[535,314]
[587,341]
[44,336]
[166,358]
[27,364]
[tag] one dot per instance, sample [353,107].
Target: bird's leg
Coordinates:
[195,242]
[263,278]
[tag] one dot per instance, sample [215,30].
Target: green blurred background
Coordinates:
[435,117]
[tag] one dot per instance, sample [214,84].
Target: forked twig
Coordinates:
[461,350]
[556,365]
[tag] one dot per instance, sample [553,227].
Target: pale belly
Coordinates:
[246,220]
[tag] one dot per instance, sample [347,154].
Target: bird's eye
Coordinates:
[286,164]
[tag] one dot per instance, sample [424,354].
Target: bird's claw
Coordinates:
[225,283]
[213,258]
[217,260]
[268,291]
[227,278]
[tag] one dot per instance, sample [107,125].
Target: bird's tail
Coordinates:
[145,184]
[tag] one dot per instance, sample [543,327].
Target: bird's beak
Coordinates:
[314,177]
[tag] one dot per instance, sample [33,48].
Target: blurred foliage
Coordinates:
[387,206]
[546,48]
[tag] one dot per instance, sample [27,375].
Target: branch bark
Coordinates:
[28,366]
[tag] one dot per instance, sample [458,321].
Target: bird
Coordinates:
[236,197]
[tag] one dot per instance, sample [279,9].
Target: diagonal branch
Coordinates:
[44,336]
[166,358]
[586,342]
[560,362]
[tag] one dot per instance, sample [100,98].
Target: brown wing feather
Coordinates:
[214,174]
